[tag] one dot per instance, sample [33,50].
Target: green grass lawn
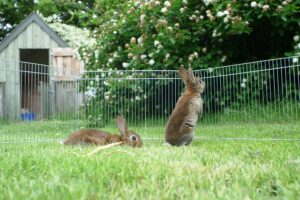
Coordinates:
[277,120]
[208,169]
[58,130]
[229,159]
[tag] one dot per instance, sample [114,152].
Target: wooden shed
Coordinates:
[27,87]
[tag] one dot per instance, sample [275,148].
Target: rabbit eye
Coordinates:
[133,137]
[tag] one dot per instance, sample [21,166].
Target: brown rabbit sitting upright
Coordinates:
[98,137]
[182,122]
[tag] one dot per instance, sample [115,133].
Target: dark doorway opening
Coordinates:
[34,73]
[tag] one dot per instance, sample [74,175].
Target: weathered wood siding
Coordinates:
[67,98]
[2,103]
[67,66]
[32,37]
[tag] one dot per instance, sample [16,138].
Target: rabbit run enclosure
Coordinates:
[252,101]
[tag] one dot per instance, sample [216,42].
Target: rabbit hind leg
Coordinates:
[182,141]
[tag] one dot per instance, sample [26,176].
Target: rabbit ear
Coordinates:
[191,75]
[183,73]
[121,124]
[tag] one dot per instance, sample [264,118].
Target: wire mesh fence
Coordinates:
[257,100]
[37,102]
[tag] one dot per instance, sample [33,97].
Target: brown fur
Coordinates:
[182,121]
[98,137]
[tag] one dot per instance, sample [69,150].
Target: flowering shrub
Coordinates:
[132,93]
[165,34]
[152,34]
[74,36]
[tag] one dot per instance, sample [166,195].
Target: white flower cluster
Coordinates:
[152,62]
[243,84]
[161,23]
[296,39]
[109,92]
[286,2]
[153,3]
[193,56]
[253,4]
[266,7]
[74,36]
[207,2]
[125,64]
[222,13]
[210,15]
[223,59]
[90,93]
[7,26]
[166,7]
[157,44]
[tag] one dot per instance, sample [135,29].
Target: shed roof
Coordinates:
[33,17]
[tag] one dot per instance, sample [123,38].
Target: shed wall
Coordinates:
[2,103]
[32,37]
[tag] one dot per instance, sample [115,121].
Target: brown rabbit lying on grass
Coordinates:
[182,122]
[98,137]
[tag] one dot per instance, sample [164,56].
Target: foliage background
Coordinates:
[218,32]
[203,35]
[156,35]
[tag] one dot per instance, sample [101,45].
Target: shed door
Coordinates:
[67,66]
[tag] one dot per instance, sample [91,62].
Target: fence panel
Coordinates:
[33,106]
[257,100]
